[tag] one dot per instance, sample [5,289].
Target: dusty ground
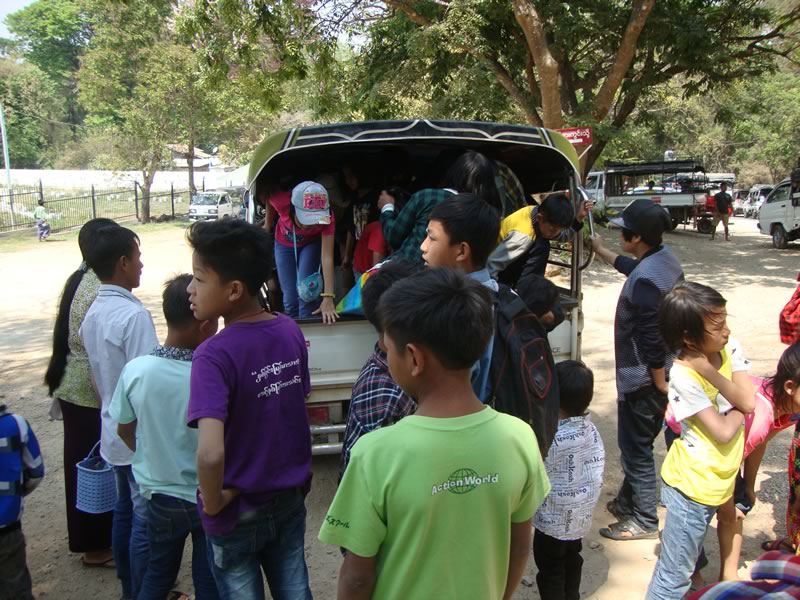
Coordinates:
[756,279]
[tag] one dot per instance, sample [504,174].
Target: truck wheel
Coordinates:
[704,225]
[675,222]
[779,239]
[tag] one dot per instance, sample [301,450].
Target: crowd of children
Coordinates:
[209,436]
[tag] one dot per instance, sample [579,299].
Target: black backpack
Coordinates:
[522,372]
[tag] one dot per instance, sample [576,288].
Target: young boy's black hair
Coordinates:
[683,312]
[234,250]
[111,243]
[389,274]
[441,310]
[557,210]
[539,294]
[575,387]
[651,239]
[467,218]
[175,301]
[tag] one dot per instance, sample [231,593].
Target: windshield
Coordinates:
[205,199]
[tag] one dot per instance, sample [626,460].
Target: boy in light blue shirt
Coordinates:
[150,405]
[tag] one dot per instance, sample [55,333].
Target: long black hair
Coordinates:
[474,173]
[58,360]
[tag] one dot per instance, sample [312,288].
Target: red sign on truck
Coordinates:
[577,136]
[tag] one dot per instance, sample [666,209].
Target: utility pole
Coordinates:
[8,164]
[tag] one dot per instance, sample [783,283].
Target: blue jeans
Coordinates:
[269,539]
[309,257]
[129,533]
[169,522]
[640,419]
[681,541]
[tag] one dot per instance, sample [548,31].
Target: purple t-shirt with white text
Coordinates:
[254,377]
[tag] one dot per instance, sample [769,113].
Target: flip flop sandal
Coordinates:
[627,530]
[106,564]
[177,595]
[781,544]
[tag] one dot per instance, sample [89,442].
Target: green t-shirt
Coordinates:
[434,500]
[40,212]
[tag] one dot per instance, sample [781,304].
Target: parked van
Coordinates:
[594,187]
[211,205]
[779,216]
[542,160]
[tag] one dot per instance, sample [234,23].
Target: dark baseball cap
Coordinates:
[644,217]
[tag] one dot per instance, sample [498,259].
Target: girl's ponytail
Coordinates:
[58,360]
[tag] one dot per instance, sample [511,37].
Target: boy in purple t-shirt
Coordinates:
[248,389]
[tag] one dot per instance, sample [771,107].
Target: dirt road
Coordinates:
[756,279]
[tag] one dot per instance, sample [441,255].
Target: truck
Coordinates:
[779,216]
[679,186]
[542,160]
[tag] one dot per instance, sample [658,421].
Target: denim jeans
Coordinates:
[640,418]
[169,522]
[15,579]
[309,257]
[681,542]
[129,533]
[270,539]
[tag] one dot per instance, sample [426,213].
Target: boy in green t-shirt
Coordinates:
[42,226]
[438,505]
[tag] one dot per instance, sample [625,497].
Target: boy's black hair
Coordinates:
[111,243]
[539,294]
[175,301]
[389,274]
[467,218]
[441,310]
[683,312]
[651,239]
[557,210]
[474,173]
[41,202]
[575,387]
[234,250]
[788,370]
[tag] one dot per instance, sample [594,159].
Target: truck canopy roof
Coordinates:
[543,160]
[654,168]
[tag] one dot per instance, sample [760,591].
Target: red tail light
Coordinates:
[319,415]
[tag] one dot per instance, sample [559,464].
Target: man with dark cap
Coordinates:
[642,362]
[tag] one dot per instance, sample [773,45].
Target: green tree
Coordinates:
[33,110]
[52,34]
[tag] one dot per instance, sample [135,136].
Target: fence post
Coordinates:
[41,191]
[136,198]
[172,198]
[94,204]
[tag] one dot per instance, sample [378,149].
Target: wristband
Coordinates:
[323,295]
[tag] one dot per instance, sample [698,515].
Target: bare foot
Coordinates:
[99,558]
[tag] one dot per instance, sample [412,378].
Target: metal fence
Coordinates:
[68,209]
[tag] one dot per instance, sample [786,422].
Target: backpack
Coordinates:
[522,371]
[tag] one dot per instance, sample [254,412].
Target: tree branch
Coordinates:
[508,83]
[627,50]
[405,6]
[546,65]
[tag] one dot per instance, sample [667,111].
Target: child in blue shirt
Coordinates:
[150,405]
[21,470]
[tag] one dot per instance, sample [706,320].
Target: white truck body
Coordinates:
[779,216]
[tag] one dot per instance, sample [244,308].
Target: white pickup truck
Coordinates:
[543,160]
[679,186]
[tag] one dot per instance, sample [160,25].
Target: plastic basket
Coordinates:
[97,486]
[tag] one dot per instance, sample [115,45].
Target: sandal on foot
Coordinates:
[627,529]
[177,595]
[103,564]
[781,544]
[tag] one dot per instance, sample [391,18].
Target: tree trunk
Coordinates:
[546,64]
[147,178]
[190,162]
[622,61]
